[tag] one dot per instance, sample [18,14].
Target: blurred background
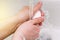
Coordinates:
[9,8]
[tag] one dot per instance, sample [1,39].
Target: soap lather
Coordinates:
[37,15]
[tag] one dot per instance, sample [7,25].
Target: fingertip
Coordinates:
[40,3]
[37,6]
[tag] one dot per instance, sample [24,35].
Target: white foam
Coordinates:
[37,14]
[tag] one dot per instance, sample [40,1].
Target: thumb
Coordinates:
[37,20]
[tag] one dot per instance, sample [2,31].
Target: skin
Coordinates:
[29,29]
[10,25]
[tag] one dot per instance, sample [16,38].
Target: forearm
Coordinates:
[10,25]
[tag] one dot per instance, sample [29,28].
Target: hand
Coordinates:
[30,29]
[13,23]
[26,9]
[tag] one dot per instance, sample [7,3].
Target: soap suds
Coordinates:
[37,15]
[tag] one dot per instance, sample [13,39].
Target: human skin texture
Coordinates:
[11,24]
[29,30]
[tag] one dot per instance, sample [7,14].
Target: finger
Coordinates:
[42,13]
[37,20]
[37,7]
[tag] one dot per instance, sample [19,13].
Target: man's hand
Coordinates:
[30,29]
[10,25]
[24,13]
